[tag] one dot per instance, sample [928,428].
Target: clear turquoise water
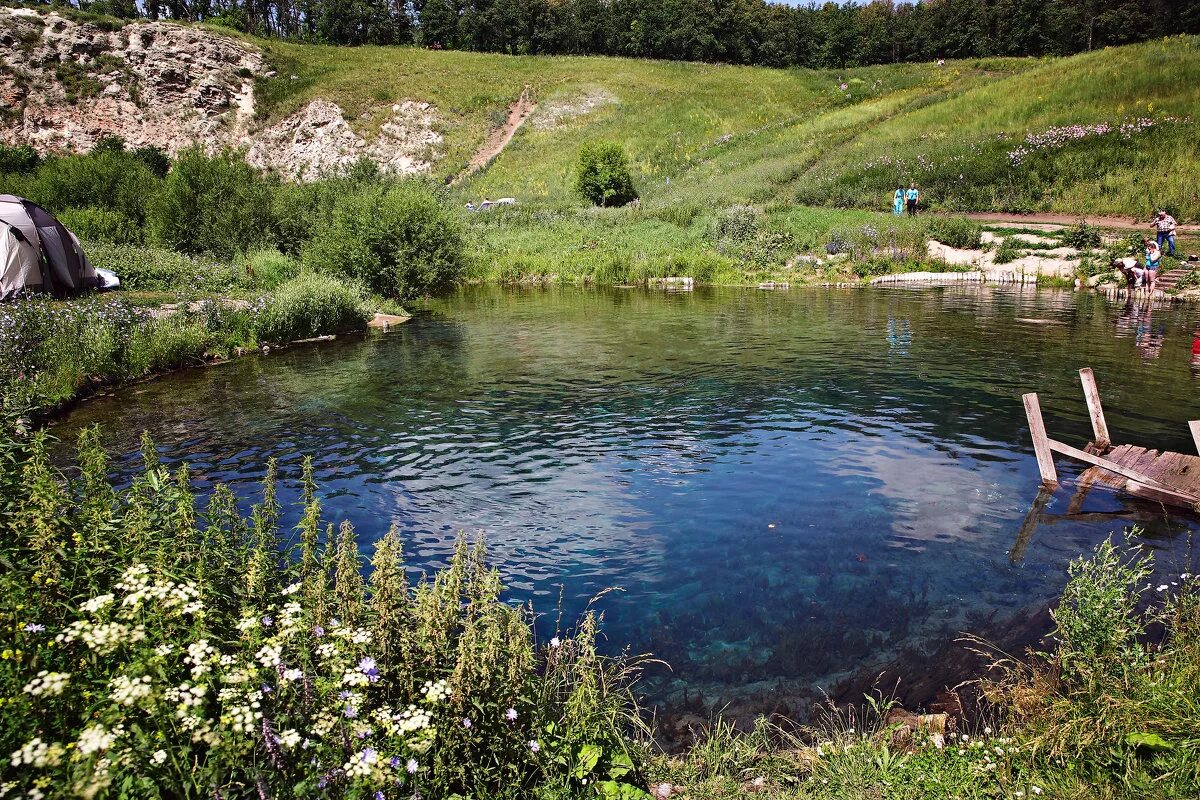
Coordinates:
[787,487]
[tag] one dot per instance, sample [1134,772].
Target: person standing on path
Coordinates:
[911,197]
[898,201]
[1164,226]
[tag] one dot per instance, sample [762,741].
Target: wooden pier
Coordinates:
[1160,476]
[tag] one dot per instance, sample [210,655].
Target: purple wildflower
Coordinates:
[351,712]
[412,766]
[511,715]
[367,754]
[34,627]
[367,667]
[394,762]
[268,622]
[377,796]
[344,694]
[318,631]
[534,746]
[466,722]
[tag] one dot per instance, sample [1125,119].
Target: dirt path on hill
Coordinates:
[518,112]
[1059,220]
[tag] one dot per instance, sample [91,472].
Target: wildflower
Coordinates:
[96,739]
[367,667]
[412,766]
[37,753]
[511,715]
[292,674]
[318,631]
[34,627]
[159,756]
[555,642]
[466,723]
[47,683]
[126,691]
[534,746]
[1035,789]
[351,712]
[290,589]
[394,762]
[1161,588]
[268,622]
[377,796]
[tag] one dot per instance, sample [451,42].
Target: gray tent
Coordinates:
[39,254]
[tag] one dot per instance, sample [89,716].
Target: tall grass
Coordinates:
[158,646]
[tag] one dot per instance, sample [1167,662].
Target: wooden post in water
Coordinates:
[1041,442]
[1095,410]
[1195,426]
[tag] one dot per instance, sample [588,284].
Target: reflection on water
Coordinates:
[786,486]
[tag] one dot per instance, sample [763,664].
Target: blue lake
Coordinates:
[789,488]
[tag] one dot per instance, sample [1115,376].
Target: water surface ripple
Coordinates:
[786,486]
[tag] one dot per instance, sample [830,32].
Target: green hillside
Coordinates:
[718,135]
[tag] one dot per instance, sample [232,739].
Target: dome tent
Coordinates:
[39,254]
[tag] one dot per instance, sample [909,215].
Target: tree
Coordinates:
[602,175]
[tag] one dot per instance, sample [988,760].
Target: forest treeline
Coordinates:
[730,31]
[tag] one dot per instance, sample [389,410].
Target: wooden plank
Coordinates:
[1081,489]
[1195,426]
[1127,455]
[1095,410]
[1041,442]
[1111,466]
[1029,526]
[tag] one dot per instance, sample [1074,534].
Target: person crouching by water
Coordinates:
[1164,229]
[1153,259]
[1135,276]
[898,201]
[910,198]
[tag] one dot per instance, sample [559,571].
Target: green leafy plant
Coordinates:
[602,175]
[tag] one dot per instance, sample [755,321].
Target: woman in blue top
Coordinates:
[1153,259]
[898,202]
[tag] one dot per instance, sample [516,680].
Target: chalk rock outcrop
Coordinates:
[66,84]
[317,140]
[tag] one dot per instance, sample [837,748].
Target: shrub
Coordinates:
[101,225]
[957,232]
[311,305]
[114,181]
[399,240]
[212,204]
[1082,236]
[18,159]
[602,175]
[1009,250]
[735,227]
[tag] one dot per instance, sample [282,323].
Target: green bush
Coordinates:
[957,232]
[212,204]
[397,239]
[1081,236]
[1009,250]
[101,225]
[602,175]
[735,227]
[114,181]
[311,305]
[18,159]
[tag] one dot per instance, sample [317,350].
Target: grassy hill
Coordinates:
[1056,134]
[719,135]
